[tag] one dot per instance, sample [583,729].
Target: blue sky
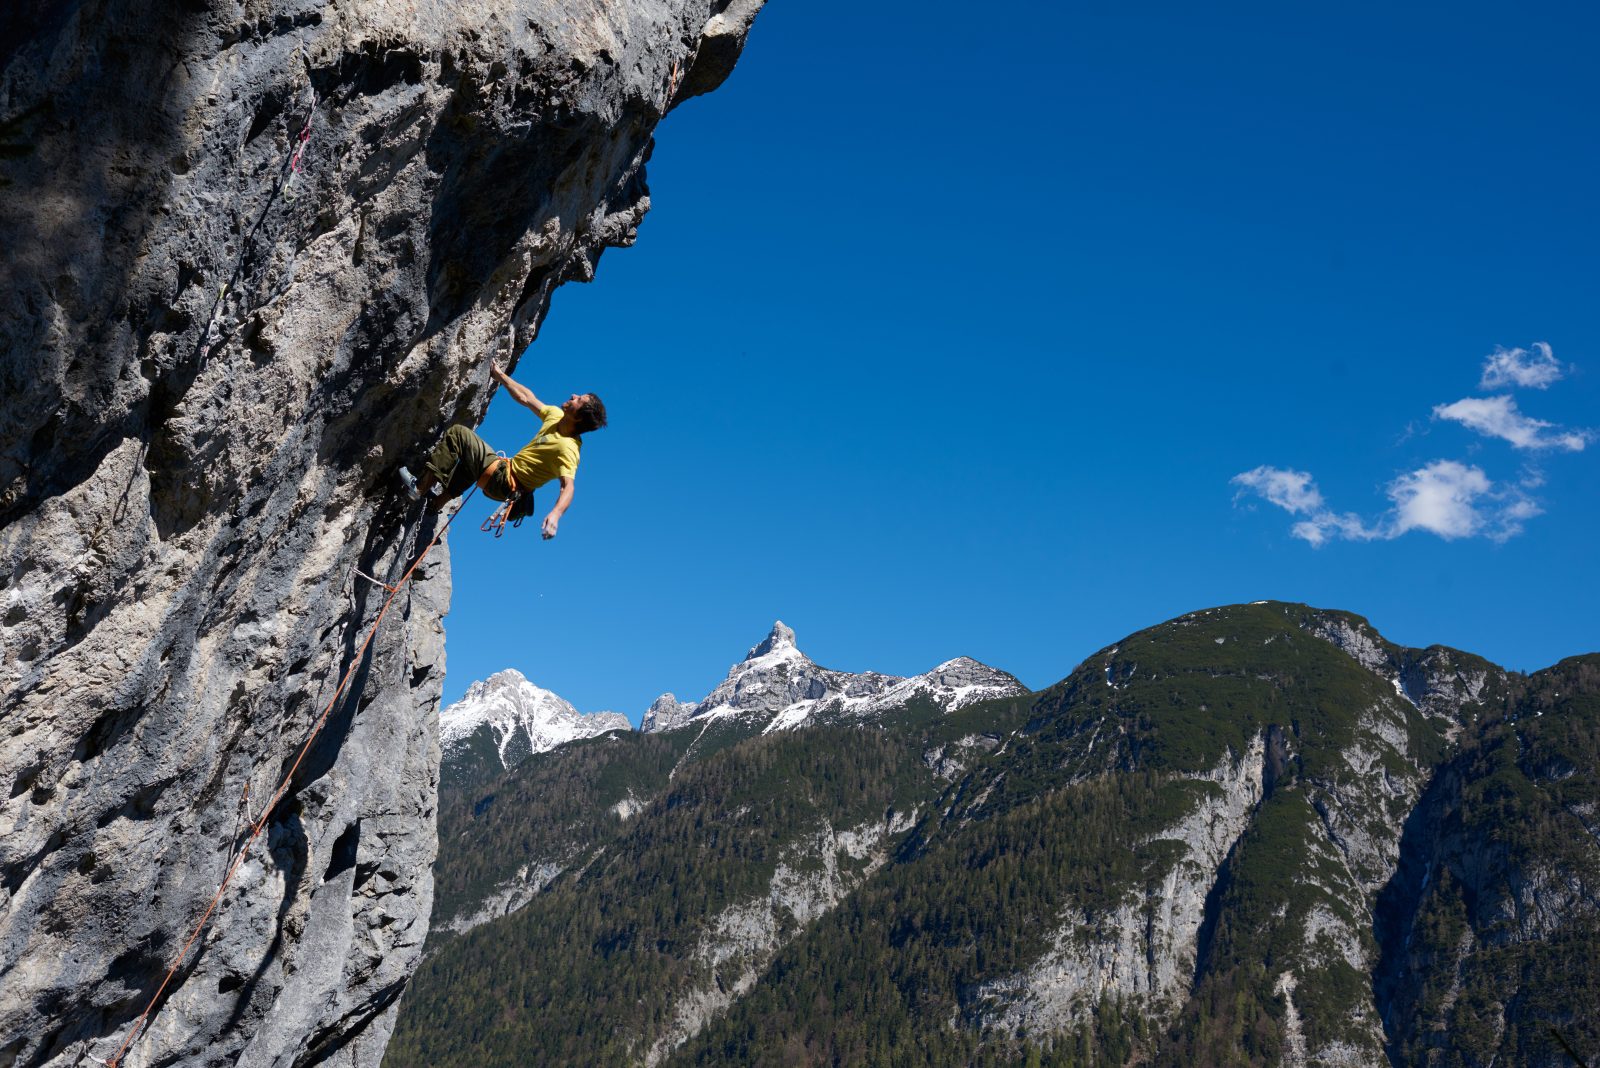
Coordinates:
[948,337]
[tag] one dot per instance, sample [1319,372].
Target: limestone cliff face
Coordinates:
[213,355]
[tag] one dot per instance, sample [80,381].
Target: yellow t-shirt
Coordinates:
[551,454]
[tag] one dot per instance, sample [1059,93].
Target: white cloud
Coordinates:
[1325,525]
[1440,498]
[1296,493]
[1519,367]
[1291,490]
[1446,498]
[1498,417]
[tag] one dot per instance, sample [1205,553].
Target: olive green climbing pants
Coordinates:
[460,459]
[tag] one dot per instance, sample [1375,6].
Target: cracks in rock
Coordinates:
[339,1033]
[325,749]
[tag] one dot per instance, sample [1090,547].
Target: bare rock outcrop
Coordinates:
[254,252]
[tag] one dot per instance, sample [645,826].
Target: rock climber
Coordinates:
[462,457]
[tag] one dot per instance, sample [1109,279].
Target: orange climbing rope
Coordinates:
[283,787]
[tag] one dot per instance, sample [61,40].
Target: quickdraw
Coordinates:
[672,86]
[300,149]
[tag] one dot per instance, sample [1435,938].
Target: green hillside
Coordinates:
[1247,836]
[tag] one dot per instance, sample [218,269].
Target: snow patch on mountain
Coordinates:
[522,718]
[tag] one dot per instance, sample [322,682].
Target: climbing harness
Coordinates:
[496,523]
[282,790]
[516,507]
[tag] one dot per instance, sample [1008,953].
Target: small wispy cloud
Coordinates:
[1520,367]
[1498,417]
[1290,490]
[1445,498]
[1326,526]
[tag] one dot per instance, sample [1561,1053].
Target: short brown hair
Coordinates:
[592,416]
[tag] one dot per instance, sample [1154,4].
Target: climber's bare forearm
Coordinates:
[553,520]
[519,393]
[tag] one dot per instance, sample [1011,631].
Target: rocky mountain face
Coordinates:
[1257,835]
[504,719]
[777,687]
[255,252]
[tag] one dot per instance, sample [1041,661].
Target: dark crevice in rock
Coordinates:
[1396,977]
[106,731]
[343,856]
[330,1040]
[1205,940]
[288,847]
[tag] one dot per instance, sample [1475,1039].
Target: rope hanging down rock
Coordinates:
[283,788]
[287,173]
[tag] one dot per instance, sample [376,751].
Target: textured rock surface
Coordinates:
[211,369]
[1340,826]
[666,713]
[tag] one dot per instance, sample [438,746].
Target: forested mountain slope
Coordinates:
[1258,834]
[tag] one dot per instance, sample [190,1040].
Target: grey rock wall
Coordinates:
[210,366]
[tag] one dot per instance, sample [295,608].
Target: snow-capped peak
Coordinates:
[779,683]
[521,718]
[779,641]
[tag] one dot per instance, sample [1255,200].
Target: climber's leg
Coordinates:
[455,463]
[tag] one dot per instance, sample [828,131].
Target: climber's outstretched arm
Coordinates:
[519,393]
[553,520]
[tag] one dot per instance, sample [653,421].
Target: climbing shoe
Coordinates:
[409,480]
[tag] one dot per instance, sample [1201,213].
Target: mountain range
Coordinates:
[1257,835]
[504,719]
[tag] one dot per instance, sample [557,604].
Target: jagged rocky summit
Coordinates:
[779,684]
[502,720]
[253,254]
